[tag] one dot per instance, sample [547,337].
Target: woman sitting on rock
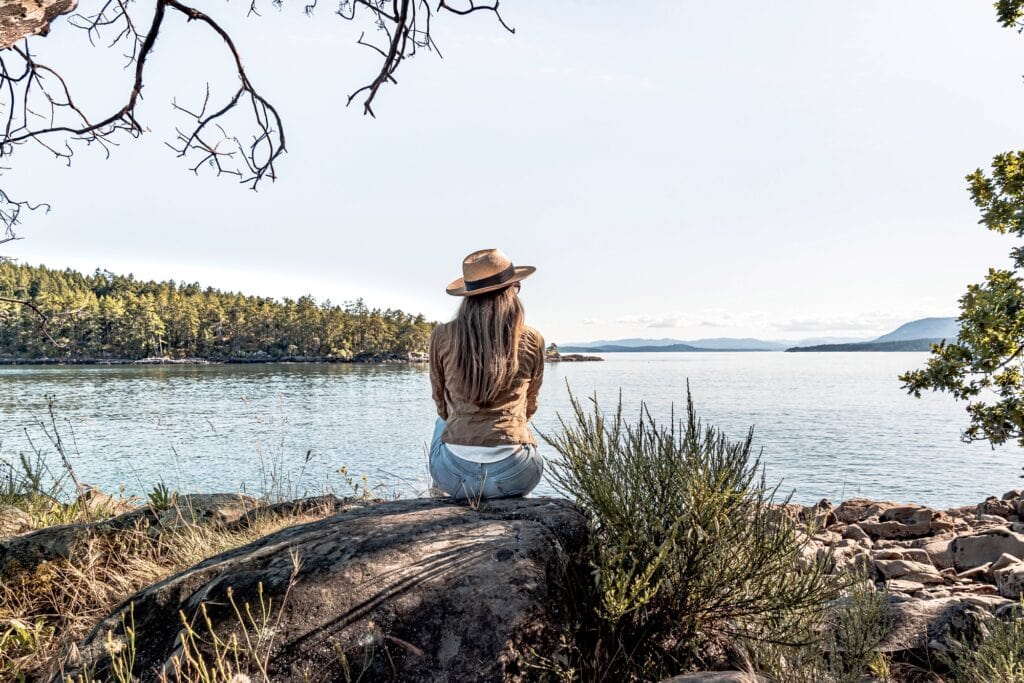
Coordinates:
[486,367]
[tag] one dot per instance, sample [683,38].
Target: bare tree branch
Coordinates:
[37,104]
[43,318]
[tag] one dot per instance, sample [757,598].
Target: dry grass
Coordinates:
[45,611]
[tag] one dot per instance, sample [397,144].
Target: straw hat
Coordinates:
[485,271]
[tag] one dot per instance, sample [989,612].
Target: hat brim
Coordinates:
[458,287]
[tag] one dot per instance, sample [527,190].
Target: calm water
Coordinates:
[830,425]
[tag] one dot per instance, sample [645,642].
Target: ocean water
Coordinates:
[832,425]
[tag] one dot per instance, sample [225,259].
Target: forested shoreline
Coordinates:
[107,317]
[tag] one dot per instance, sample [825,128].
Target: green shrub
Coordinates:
[994,655]
[691,555]
[839,645]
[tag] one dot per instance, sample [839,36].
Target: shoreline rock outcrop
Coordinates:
[412,590]
[944,571]
[432,590]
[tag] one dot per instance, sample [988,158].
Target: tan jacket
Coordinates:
[505,420]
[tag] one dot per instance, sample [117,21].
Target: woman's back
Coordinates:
[503,419]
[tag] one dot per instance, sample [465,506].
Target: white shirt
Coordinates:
[485,454]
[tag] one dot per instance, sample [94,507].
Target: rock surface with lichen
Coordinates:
[23,18]
[413,590]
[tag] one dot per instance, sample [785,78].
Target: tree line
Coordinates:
[108,316]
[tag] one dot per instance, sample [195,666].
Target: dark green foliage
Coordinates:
[1010,12]
[109,316]
[690,553]
[983,366]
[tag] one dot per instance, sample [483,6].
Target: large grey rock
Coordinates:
[899,522]
[434,591]
[857,509]
[919,624]
[22,18]
[908,570]
[987,546]
[891,521]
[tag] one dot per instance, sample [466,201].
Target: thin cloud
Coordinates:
[859,322]
[702,318]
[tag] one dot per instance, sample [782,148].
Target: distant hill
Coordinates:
[618,348]
[631,342]
[925,328]
[733,344]
[708,344]
[899,345]
[917,335]
[818,341]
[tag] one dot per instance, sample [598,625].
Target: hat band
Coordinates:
[472,285]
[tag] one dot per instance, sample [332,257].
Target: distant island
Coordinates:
[106,318]
[918,335]
[907,345]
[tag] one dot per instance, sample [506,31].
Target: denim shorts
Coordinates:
[510,477]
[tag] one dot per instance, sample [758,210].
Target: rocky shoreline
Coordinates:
[367,358]
[423,576]
[571,358]
[944,571]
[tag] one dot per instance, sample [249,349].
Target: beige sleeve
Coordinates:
[437,375]
[536,379]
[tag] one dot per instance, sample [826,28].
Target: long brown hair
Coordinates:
[486,333]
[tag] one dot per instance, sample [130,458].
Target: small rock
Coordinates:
[903,586]
[857,509]
[855,533]
[993,519]
[995,507]
[975,574]
[1005,560]
[909,571]
[899,522]
[1010,579]
[913,554]
[820,515]
[989,602]
[1013,493]
[827,537]
[99,504]
[974,589]
[13,521]
[938,551]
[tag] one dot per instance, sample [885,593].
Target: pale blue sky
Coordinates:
[693,169]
